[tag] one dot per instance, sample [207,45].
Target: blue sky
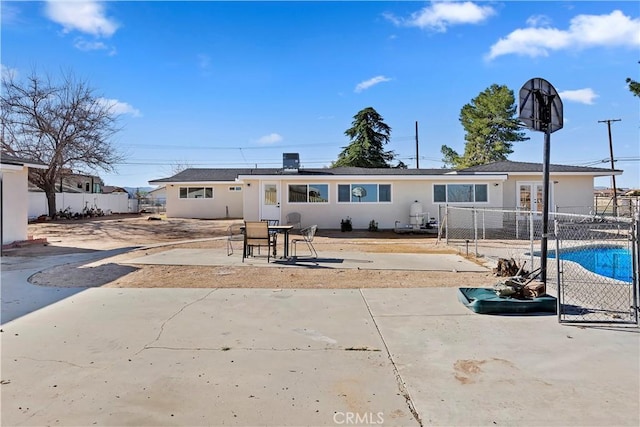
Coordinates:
[236,84]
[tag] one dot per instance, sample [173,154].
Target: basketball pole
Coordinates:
[545,203]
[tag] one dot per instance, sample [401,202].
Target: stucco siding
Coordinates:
[14,205]
[224,204]
[403,194]
[569,194]
[573,194]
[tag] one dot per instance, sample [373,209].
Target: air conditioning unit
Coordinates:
[290,162]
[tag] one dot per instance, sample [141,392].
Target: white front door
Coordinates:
[270,200]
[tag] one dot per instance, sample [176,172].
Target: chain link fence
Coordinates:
[595,263]
[596,275]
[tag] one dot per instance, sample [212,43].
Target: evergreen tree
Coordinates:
[634,86]
[368,135]
[491,128]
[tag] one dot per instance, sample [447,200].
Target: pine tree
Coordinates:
[491,128]
[368,135]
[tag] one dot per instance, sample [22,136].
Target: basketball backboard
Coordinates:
[540,106]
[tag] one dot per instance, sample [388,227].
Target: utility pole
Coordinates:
[613,176]
[417,156]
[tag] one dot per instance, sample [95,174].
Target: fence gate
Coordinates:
[596,270]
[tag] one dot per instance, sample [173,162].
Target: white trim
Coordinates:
[376,178]
[447,202]
[192,183]
[288,184]
[532,173]
[11,168]
[23,165]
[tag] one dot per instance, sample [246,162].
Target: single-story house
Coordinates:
[111,189]
[386,195]
[71,182]
[14,177]
[158,194]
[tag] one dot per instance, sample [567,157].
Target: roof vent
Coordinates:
[290,162]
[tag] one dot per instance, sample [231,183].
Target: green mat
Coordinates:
[485,301]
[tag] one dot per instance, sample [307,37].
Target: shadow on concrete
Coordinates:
[19,297]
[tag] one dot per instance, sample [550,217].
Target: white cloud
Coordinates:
[583,96]
[440,15]
[614,29]
[119,107]
[272,138]
[371,82]
[86,45]
[539,21]
[85,16]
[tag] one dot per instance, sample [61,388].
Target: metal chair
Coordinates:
[273,233]
[235,233]
[307,235]
[256,234]
[294,219]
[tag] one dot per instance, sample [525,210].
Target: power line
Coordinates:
[260,147]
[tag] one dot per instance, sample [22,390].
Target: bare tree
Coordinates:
[63,124]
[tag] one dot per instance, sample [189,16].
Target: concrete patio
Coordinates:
[107,356]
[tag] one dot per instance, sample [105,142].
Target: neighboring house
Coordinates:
[158,194]
[14,175]
[75,183]
[111,189]
[326,196]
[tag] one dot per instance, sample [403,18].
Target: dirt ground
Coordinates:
[147,234]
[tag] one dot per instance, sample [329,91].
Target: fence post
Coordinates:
[532,237]
[475,229]
[484,228]
[446,224]
[635,262]
[517,223]
[558,273]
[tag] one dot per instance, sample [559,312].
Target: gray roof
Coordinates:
[503,167]
[204,175]
[19,161]
[508,166]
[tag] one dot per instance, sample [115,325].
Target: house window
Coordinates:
[364,193]
[196,192]
[235,188]
[460,193]
[308,193]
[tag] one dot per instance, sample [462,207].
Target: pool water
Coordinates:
[611,261]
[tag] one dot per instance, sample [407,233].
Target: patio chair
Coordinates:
[307,234]
[294,219]
[256,234]
[234,234]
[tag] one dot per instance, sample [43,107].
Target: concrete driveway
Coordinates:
[107,356]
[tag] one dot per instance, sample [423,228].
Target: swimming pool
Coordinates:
[608,261]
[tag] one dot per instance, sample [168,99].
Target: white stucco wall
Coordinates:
[328,215]
[14,205]
[224,204]
[569,193]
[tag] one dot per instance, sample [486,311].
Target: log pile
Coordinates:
[517,287]
[509,268]
[518,282]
